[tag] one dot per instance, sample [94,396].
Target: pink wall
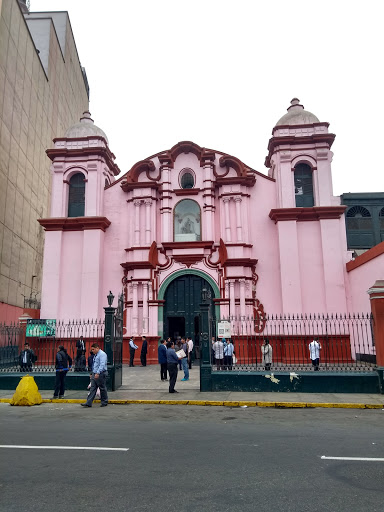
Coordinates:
[361,279]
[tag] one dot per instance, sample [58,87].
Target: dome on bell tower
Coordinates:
[85,128]
[297,115]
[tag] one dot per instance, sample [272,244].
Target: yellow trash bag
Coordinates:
[27,392]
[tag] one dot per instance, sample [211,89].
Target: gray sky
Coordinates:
[221,73]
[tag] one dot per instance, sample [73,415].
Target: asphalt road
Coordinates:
[190,458]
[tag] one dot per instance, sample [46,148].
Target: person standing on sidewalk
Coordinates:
[98,377]
[266,355]
[190,348]
[314,353]
[63,364]
[172,362]
[229,350]
[132,349]
[144,350]
[184,360]
[27,358]
[162,358]
[218,348]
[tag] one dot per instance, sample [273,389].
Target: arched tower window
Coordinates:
[76,198]
[303,186]
[187,221]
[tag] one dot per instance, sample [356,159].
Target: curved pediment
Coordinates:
[225,166]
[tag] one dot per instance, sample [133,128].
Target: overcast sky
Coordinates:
[221,73]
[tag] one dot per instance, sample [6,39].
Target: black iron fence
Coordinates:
[339,342]
[44,343]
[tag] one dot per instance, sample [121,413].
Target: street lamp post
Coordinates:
[109,333]
[205,362]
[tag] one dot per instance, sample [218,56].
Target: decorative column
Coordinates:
[227,220]
[208,159]
[135,308]
[165,206]
[148,238]
[242,305]
[137,203]
[145,308]
[232,305]
[376,296]
[239,226]
[232,298]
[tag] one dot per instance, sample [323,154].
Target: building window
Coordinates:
[187,179]
[359,228]
[359,218]
[187,221]
[76,199]
[303,186]
[381,218]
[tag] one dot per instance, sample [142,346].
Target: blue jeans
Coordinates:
[184,363]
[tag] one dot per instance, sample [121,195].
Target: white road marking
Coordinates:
[97,448]
[354,458]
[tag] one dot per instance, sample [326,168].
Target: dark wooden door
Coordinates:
[182,301]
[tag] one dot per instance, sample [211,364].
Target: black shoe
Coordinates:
[85,405]
[55,397]
[62,396]
[103,405]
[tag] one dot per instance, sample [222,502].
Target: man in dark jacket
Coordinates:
[27,358]
[63,364]
[172,361]
[162,358]
[144,350]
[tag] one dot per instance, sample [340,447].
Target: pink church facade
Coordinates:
[191,217]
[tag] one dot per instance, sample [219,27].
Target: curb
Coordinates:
[225,403]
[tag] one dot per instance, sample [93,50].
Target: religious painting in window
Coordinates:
[187,178]
[187,221]
[303,186]
[76,198]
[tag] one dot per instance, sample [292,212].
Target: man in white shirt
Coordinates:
[314,353]
[190,348]
[218,348]
[132,349]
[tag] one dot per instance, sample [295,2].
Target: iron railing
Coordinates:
[13,337]
[346,340]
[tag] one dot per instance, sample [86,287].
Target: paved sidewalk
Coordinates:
[143,385]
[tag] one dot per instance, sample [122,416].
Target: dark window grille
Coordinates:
[187,180]
[358,211]
[303,186]
[381,217]
[76,199]
[359,219]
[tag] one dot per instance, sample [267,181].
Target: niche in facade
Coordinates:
[187,221]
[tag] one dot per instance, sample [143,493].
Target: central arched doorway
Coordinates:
[182,308]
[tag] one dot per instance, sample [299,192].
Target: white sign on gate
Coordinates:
[223,330]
